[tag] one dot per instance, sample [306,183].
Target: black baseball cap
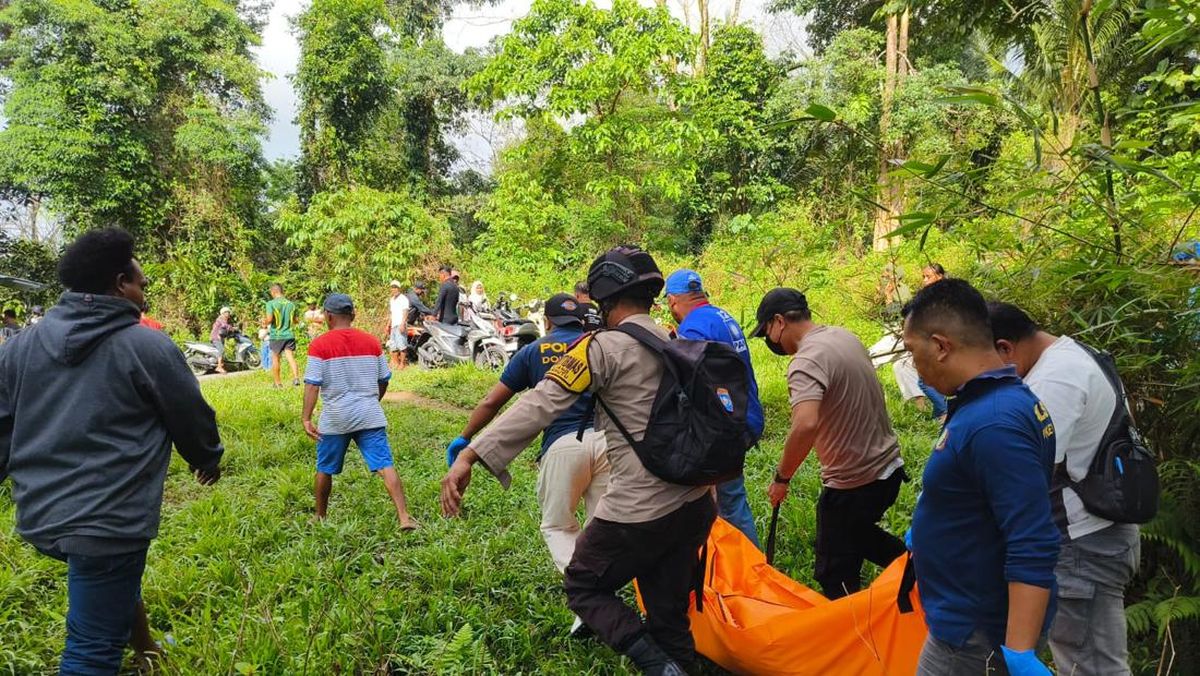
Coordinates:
[777,302]
[563,309]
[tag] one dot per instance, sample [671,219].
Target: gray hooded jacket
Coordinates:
[90,404]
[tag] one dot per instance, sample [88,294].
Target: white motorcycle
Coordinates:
[203,358]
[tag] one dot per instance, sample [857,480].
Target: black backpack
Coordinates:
[1122,483]
[697,434]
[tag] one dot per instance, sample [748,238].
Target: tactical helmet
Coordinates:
[623,267]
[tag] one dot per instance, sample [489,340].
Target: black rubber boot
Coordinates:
[648,657]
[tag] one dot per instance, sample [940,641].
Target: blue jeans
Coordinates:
[935,399]
[102,592]
[735,508]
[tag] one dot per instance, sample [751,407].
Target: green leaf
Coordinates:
[910,223]
[821,113]
[917,167]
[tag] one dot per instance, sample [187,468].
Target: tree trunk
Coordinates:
[885,218]
[1114,221]
[35,205]
[702,62]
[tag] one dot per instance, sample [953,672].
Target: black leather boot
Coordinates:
[648,657]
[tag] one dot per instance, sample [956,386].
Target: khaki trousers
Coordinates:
[570,471]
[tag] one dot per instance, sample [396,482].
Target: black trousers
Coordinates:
[664,556]
[848,533]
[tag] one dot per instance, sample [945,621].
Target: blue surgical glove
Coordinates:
[455,448]
[1023,663]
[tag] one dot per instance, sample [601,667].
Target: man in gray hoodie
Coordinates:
[90,405]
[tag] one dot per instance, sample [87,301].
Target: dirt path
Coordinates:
[231,374]
[414,399]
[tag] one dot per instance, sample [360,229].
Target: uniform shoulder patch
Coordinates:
[572,372]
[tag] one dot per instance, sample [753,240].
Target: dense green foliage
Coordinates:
[1047,151]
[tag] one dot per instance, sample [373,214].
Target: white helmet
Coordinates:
[226,311]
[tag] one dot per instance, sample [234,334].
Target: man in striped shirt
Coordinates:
[349,371]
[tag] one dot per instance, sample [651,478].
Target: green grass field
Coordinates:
[246,584]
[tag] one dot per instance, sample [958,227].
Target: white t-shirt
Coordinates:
[399,310]
[1081,402]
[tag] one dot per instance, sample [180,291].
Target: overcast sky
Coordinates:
[467,28]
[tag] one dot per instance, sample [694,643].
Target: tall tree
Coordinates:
[343,83]
[1056,72]
[616,72]
[103,101]
[890,188]
[954,22]
[378,89]
[740,164]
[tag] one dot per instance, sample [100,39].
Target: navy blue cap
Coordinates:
[563,309]
[339,304]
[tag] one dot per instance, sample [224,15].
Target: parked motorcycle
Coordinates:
[476,343]
[203,358]
[517,331]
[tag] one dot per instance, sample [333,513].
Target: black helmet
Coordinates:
[621,268]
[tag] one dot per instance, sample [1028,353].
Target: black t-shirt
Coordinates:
[592,321]
[446,307]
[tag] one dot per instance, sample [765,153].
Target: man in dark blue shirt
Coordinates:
[570,469]
[700,320]
[983,540]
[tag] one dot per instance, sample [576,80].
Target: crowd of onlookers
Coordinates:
[1010,544]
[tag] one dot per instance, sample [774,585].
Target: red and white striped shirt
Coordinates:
[348,365]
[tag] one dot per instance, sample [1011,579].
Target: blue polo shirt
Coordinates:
[708,322]
[530,364]
[983,517]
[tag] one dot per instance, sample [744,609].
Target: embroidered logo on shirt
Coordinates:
[1040,411]
[572,371]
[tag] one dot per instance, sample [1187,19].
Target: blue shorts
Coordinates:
[372,443]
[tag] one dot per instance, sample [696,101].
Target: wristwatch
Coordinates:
[781,479]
